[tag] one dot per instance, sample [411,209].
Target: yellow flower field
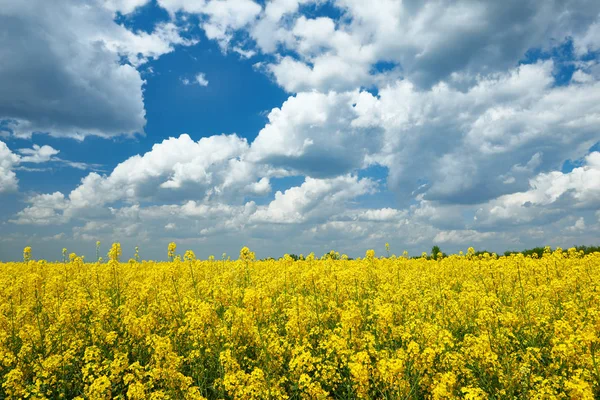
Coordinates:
[464,326]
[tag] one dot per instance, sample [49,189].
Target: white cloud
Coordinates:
[9,162]
[8,178]
[124,6]
[314,198]
[380,215]
[244,52]
[260,188]
[189,6]
[471,141]
[222,17]
[579,224]
[313,133]
[551,195]
[440,147]
[45,209]
[580,76]
[588,40]
[456,140]
[177,168]
[140,46]
[201,79]
[462,237]
[226,16]
[69,80]
[425,42]
[47,154]
[38,154]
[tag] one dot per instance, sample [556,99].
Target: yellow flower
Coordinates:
[171,250]
[246,254]
[472,327]
[27,254]
[115,252]
[189,255]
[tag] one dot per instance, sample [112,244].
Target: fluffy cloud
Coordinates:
[430,96]
[222,18]
[38,154]
[226,16]
[141,46]
[199,79]
[447,144]
[8,178]
[451,144]
[440,148]
[124,6]
[551,196]
[313,133]
[45,209]
[426,42]
[588,40]
[461,237]
[313,199]
[9,162]
[177,168]
[68,79]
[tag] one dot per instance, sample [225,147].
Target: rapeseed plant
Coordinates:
[462,326]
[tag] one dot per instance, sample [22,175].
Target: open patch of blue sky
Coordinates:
[563,56]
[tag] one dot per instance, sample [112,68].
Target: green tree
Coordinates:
[435,250]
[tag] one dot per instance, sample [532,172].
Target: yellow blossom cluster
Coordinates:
[462,326]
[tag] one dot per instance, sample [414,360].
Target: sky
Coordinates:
[298,126]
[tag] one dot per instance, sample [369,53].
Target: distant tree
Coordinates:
[435,250]
[333,255]
[536,250]
[588,249]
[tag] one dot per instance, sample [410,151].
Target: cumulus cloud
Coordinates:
[124,6]
[313,133]
[461,236]
[551,196]
[222,17]
[140,47]
[68,80]
[38,154]
[589,39]
[451,144]
[314,198]
[426,42]
[45,209]
[177,168]
[10,162]
[8,178]
[439,146]
[444,143]
[433,97]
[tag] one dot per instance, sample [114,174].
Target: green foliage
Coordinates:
[540,251]
[435,251]
[588,249]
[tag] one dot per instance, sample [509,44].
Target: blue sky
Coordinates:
[298,125]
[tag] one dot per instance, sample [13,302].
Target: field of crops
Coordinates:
[463,326]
